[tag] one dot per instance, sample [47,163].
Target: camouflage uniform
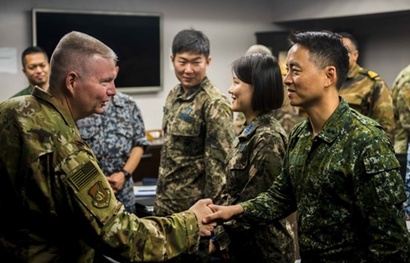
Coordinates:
[111,135]
[367,93]
[287,116]
[253,164]
[197,136]
[401,102]
[59,205]
[346,186]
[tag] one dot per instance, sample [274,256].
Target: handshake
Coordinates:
[208,214]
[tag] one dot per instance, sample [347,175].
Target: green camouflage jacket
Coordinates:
[367,93]
[401,102]
[346,186]
[57,204]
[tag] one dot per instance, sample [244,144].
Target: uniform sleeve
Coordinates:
[117,232]
[379,204]
[218,140]
[139,138]
[276,203]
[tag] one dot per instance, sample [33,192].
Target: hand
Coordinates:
[116,181]
[222,213]
[201,209]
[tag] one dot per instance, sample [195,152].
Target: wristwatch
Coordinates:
[126,173]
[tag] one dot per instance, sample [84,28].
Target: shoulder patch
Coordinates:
[84,175]
[372,74]
[100,195]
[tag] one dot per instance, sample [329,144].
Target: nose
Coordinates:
[287,80]
[230,89]
[188,68]
[112,90]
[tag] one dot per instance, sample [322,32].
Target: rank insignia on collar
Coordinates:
[101,196]
[248,129]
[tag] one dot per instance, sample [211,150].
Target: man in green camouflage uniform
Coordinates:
[197,125]
[339,172]
[36,68]
[57,204]
[401,102]
[365,91]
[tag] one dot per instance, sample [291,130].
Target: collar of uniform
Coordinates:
[192,91]
[249,129]
[119,100]
[42,95]
[354,71]
[334,125]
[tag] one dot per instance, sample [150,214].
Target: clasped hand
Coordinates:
[209,214]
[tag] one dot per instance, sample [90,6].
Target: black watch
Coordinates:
[126,173]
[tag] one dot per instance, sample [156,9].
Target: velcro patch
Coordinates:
[84,175]
[101,196]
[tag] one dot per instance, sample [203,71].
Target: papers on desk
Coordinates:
[144,190]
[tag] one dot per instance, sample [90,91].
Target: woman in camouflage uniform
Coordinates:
[255,161]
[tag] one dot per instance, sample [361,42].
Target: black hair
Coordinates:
[262,71]
[190,40]
[326,49]
[32,50]
[351,37]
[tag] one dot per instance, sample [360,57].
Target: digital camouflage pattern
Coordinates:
[198,133]
[252,165]
[401,102]
[287,116]
[346,186]
[367,93]
[111,135]
[59,205]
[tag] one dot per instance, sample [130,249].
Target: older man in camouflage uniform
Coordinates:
[339,172]
[57,204]
[117,137]
[198,133]
[366,91]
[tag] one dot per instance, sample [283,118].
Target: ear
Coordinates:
[331,76]
[70,81]
[208,60]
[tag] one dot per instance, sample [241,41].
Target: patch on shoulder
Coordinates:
[84,175]
[372,74]
[100,195]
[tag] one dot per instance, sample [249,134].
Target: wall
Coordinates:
[386,46]
[229,24]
